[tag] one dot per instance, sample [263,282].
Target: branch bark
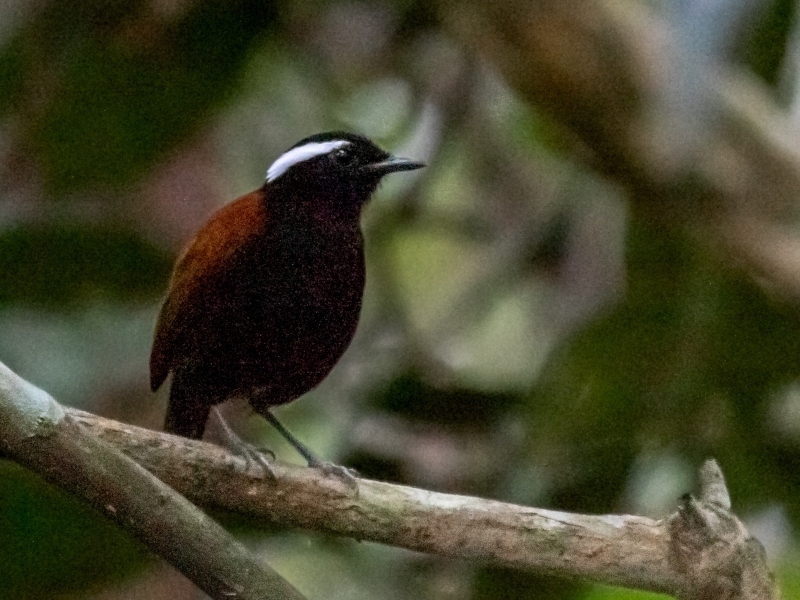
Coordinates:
[700,550]
[39,434]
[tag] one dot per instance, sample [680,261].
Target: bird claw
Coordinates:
[347,476]
[261,450]
[251,455]
[248,452]
[254,454]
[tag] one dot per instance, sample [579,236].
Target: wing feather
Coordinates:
[199,268]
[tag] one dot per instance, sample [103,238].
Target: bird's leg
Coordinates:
[245,450]
[345,474]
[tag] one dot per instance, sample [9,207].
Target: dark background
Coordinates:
[534,330]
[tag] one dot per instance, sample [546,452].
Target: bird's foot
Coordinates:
[251,455]
[348,476]
[247,451]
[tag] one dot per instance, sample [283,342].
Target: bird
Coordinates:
[266,297]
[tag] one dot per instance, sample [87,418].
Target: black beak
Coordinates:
[392,165]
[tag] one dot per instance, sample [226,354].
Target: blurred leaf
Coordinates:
[52,543]
[126,86]
[411,397]
[12,75]
[788,576]
[493,583]
[431,269]
[767,38]
[57,266]
[605,592]
[688,361]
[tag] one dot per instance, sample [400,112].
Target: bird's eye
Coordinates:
[344,156]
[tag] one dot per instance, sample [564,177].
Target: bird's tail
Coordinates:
[187,411]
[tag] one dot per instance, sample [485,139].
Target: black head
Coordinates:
[337,162]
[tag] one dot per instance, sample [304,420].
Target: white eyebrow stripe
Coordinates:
[299,154]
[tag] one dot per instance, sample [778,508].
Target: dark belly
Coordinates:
[280,332]
[295,350]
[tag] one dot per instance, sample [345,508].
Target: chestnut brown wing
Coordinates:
[197,270]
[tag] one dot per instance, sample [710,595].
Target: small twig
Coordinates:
[719,559]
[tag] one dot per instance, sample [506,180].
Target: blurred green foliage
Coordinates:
[764,49]
[610,593]
[789,578]
[117,104]
[412,398]
[53,544]
[690,360]
[63,266]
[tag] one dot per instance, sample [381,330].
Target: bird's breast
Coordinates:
[298,316]
[304,297]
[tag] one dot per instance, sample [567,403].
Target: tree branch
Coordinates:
[701,552]
[42,436]
[656,555]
